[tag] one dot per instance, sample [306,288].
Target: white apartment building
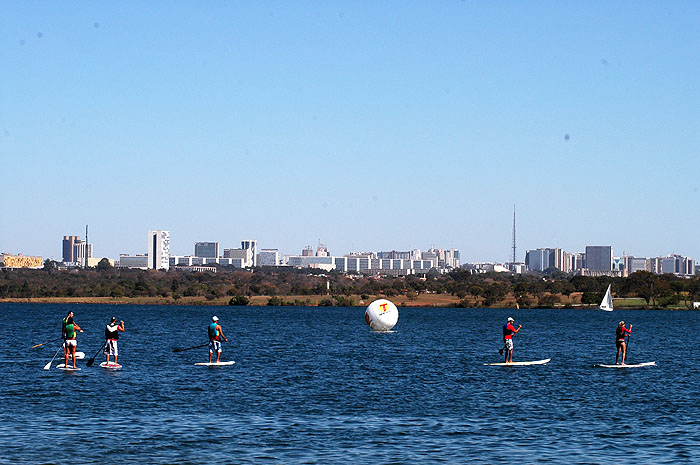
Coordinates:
[158,250]
[190,260]
[251,245]
[245,255]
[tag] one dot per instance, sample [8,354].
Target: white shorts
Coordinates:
[111,347]
[214,346]
[509,344]
[71,343]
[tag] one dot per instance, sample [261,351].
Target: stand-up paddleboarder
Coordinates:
[215,335]
[508,332]
[620,334]
[71,330]
[111,338]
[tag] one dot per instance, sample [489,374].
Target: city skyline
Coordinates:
[212,249]
[370,127]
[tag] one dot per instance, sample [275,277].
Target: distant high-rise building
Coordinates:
[688,266]
[537,260]
[206,249]
[159,250]
[76,250]
[251,245]
[557,259]
[678,265]
[244,255]
[599,258]
[433,256]
[635,264]
[669,265]
[268,257]
[68,243]
[574,261]
[654,265]
[451,258]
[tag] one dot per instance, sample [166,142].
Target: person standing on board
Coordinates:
[215,335]
[620,334]
[508,332]
[71,343]
[111,336]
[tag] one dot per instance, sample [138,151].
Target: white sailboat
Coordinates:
[607,304]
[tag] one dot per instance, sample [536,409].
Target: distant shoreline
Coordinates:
[430,300]
[423,301]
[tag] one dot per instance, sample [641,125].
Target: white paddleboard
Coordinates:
[78,355]
[214,364]
[629,365]
[519,364]
[61,366]
[110,365]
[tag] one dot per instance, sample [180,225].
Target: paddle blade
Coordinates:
[48,365]
[91,362]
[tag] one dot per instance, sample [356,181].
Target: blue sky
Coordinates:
[368,126]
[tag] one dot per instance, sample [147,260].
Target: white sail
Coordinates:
[607,303]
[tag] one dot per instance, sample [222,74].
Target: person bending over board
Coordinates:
[620,334]
[71,341]
[111,336]
[215,335]
[508,332]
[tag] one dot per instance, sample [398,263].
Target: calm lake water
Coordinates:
[315,385]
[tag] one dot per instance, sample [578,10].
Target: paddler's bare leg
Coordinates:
[624,353]
[72,351]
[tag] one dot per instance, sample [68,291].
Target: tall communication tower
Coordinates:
[513,258]
[87,247]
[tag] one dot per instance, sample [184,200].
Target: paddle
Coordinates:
[44,343]
[92,360]
[627,346]
[48,365]
[190,348]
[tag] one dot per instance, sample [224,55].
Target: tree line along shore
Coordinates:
[309,287]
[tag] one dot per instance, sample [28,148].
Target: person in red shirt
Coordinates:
[620,334]
[508,332]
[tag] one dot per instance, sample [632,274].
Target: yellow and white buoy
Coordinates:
[381,315]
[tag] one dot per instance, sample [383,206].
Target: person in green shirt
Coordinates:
[63,326]
[71,330]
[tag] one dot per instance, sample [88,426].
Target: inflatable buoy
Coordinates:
[381,315]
